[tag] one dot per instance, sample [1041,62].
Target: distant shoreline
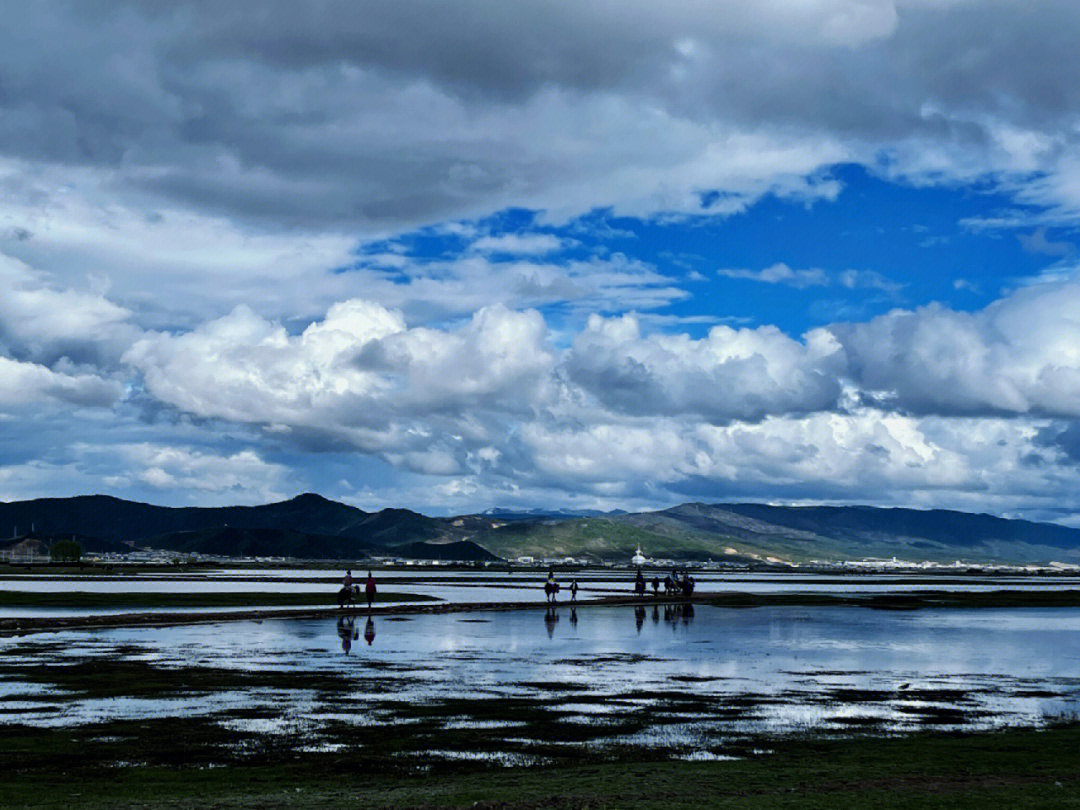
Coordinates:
[913,601]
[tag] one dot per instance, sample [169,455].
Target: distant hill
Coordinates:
[307,526]
[755,532]
[312,527]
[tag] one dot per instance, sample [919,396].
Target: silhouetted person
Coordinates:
[348,579]
[369,590]
[573,591]
[656,586]
[639,583]
[551,587]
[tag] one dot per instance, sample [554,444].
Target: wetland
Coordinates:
[717,691]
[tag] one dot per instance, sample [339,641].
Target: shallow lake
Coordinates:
[689,681]
[493,586]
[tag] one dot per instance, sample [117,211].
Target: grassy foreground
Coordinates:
[1020,768]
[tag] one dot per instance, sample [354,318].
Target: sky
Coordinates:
[580,255]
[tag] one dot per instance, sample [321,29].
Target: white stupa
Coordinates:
[638,559]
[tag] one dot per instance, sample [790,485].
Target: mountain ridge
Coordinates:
[312,526]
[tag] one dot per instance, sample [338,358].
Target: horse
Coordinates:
[551,587]
[348,596]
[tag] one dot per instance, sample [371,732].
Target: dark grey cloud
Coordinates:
[367,114]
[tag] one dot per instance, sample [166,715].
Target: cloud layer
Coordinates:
[384,249]
[372,116]
[852,407]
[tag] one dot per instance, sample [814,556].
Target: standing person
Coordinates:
[348,578]
[369,590]
[573,591]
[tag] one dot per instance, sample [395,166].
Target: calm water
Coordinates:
[776,670]
[489,586]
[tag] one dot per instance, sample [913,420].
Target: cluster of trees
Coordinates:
[65,551]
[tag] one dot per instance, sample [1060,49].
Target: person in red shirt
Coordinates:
[369,589]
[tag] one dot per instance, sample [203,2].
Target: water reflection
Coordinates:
[639,617]
[677,614]
[369,631]
[770,669]
[551,618]
[347,632]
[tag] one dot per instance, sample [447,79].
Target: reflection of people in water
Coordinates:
[673,614]
[639,617]
[369,631]
[655,614]
[551,616]
[573,616]
[346,632]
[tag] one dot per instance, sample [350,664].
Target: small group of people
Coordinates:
[676,583]
[350,591]
[552,587]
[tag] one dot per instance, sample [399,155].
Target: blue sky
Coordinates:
[454,256]
[877,245]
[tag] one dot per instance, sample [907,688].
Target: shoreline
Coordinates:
[17,626]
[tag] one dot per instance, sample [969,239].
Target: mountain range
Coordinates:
[312,527]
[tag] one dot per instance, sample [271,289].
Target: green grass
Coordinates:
[57,768]
[135,601]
